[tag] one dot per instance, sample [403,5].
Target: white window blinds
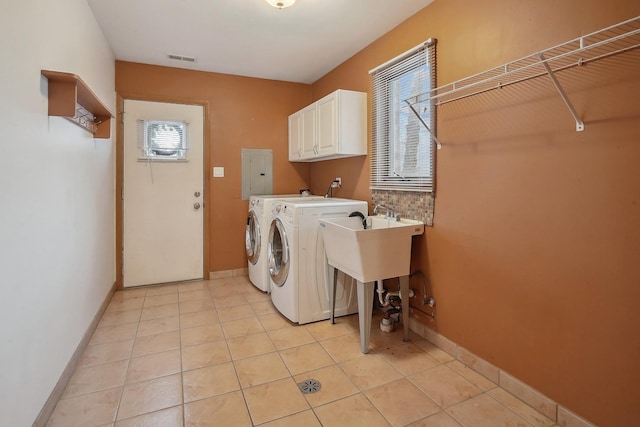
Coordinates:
[403,152]
[162,140]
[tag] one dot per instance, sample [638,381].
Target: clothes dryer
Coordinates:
[299,273]
[258,220]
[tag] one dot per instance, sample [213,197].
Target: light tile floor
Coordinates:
[217,353]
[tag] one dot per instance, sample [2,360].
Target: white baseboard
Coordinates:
[228,273]
[56,393]
[529,395]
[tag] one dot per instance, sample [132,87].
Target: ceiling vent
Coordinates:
[181,58]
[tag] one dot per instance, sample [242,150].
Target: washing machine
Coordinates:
[299,273]
[258,220]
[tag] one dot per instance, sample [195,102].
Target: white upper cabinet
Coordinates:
[302,134]
[330,128]
[295,136]
[309,142]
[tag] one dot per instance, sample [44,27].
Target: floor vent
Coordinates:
[310,386]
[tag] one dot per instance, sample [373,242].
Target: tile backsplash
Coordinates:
[409,204]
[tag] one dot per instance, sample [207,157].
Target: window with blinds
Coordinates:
[403,152]
[162,140]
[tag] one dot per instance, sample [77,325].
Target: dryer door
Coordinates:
[252,238]
[278,253]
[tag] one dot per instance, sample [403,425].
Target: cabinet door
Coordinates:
[295,132]
[308,133]
[328,125]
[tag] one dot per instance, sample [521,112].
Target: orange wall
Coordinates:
[533,258]
[243,113]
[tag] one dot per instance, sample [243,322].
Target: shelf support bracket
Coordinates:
[433,135]
[563,95]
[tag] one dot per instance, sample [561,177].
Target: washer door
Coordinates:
[278,253]
[252,238]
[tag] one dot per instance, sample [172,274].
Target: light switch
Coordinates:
[218,172]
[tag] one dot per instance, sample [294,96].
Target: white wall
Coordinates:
[56,200]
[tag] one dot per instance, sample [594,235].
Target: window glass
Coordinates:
[163,139]
[409,142]
[403,152]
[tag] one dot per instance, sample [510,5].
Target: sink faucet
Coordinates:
[389,213]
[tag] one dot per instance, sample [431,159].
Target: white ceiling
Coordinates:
[248,37]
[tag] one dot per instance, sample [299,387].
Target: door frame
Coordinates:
[119,194]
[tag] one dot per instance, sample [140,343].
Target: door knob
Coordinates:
[196,206]
[197,194]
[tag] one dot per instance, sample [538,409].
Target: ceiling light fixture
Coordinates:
[281,4]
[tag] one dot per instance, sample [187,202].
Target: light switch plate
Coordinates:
[218,172]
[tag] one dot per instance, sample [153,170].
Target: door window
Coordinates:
[162,140]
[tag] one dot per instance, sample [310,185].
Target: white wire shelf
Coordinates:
[609,41]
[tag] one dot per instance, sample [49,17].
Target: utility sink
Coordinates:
[382,251]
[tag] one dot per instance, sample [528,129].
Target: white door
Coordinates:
[163,186]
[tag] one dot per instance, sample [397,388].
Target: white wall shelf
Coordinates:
[71,98]
[612,40]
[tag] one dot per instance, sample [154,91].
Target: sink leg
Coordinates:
[404,292]
[365,311]
[333,294]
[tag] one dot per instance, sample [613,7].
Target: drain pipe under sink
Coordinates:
[386,324]
[384,300]
[380,290]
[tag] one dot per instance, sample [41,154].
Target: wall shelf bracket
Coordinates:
[433,135]
[563,95]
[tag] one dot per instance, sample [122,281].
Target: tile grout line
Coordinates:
[135,336]
[244,398]
[184,406]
